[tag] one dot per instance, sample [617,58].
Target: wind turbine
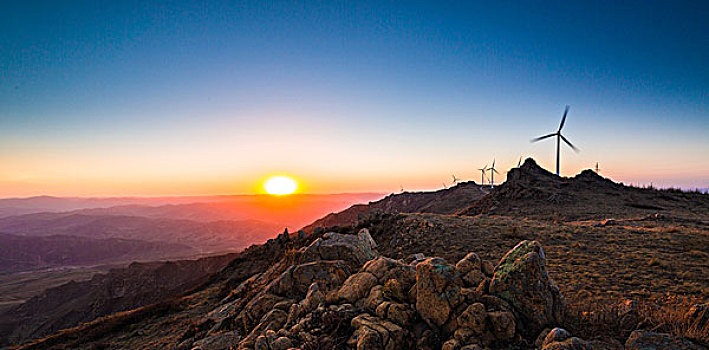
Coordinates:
[597,170]
[455,180]
[519,163]
[492,174]
[482,174]
[559,137]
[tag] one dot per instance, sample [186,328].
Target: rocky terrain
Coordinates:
[569,263]
[119,290]
[337,291]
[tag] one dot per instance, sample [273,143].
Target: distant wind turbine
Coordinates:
[492,174]
[519,163]
[597,170]
[455,180]
[482,174]
[559,137]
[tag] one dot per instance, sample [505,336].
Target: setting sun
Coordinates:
[280,185]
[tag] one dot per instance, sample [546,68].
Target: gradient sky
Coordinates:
[148,98]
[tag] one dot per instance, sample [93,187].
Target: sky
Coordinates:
[109,98]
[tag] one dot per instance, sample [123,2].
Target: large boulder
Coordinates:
[438,288]
[646,340]
[357,287]
[355,250]
[522,280]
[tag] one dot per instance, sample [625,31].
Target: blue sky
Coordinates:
[105,98]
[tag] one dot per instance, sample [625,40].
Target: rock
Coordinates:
[646,340]
[375,333]
[572,343]
[218,341]
[374,299]
[327,274]
[393,290]
[469,269]
[468,263]
[502,324]
[450,344]
[313,298]
[473,318]
[281,343]
[355,250]
[364,236]
[561,339]
[555,335]
[357,286]
[437,291]
[385,269]
[521,279]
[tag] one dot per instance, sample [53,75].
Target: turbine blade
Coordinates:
[569,143]
[563,119]
[496,172]
[542,137]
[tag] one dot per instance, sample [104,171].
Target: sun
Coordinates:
[280,185]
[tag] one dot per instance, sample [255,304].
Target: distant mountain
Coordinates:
[292,211]
[220,236]
[23,253]
[446,201]
[121,289]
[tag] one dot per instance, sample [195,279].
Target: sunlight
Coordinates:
[280,185]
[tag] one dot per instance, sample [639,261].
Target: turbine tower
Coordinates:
[597,170]
[492,174]
[519,163]
[482,174]
[559,138]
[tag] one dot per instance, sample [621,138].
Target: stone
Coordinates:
[646,340]
[393,290]
[355,250]
[313,298]
[375,333]
[327,274]
[522,280]
[473,318]
[572,343]
[450,344]
[281,343]
[555,335]
[502,324]
[488,268]
[437,291]
[468,263]
[356,287]
[374,299]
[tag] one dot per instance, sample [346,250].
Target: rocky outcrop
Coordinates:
[338,292]
[522,280]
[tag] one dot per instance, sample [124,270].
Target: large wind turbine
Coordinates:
[492,174]
[482,174]
[559,137]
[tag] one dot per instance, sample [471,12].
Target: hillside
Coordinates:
[21,253]
[220,236]
[533,192]
[119,290]
[446,201]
